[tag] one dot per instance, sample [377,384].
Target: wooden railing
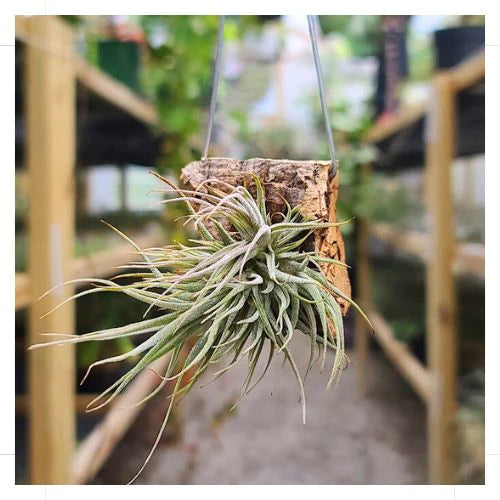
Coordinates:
[444,257]
[52,70]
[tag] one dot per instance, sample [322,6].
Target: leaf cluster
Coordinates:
[242,290]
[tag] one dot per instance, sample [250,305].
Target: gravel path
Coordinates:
[378,439]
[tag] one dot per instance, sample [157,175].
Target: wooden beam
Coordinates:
[82,401]
[461,76]
[467,73]
[50,117]
[93,78]
[402,119]
[115,92]
[411,368]
[98,445]
[441,307]
[467,257]
[100,264]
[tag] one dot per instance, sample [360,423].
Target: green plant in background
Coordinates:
[383,198]
[421,62]
[273,142]
[353,152]
[362,33]
[377,197]
[472,20]
[233,295]
[177,75]
[470,422]
[94,313]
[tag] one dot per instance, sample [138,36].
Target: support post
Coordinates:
[441,309]
[50,117]
[363,295]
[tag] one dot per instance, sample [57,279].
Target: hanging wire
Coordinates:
[312,22]
[215,86]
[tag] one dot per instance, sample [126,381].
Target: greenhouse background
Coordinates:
[103,100]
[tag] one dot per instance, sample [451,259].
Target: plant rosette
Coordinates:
[231,294]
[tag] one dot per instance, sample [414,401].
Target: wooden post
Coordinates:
[50,117]
[441,341]
[363,295]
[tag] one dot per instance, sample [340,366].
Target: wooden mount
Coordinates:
[301,183]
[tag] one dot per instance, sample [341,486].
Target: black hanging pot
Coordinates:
[114,138]
[453,45]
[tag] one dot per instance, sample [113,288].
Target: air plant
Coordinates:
[243,289]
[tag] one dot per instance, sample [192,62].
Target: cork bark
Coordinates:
[301,183]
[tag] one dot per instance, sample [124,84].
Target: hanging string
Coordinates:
[312,22]
[215,86]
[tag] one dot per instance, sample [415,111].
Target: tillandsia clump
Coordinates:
[243,289]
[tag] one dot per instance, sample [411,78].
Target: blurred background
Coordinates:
[102,100]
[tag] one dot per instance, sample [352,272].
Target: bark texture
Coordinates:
[303,183]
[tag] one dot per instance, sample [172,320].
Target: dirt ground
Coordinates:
[377,439]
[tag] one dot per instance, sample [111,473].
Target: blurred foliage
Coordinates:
[271,142]
[471,428]
[21,196]
[469,223]
[383,198]
[472,391]
[73,20]
[398,291]
[95,312]
[376,198]
[352,152]
[362,33]
[472,20]
[178,72]
[407,330]
[421,60]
